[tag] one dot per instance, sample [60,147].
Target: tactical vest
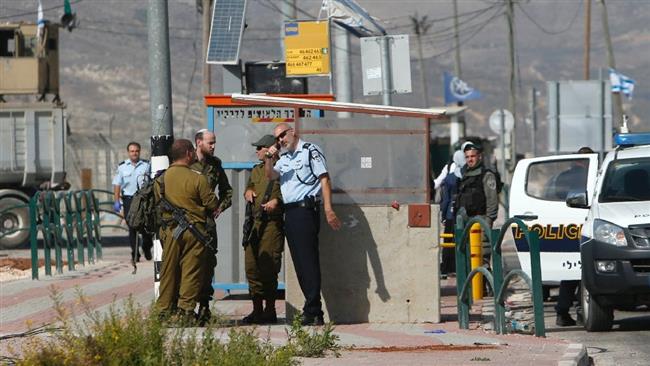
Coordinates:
[471,195]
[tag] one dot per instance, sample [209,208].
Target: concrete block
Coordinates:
[375,269]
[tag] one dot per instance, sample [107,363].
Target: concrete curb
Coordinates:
[575,355]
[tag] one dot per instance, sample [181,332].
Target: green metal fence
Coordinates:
[496,278]
[66,221]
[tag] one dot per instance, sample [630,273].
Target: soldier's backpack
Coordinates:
[144,214]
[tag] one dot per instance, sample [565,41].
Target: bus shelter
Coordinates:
[382,266]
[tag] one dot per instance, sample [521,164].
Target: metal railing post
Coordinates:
[96,223]
[55,222]
[497,273]
[69,230]
[45,229]
[536,273]
[80,228]
[33,234]
[461,274]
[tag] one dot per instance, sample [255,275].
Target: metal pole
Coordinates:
[423,74]
[160,93]
[502,141]
[386,72]
[618,101]
[533,120]
[457,69]
[289,12]
[476,259]
[587,38]
[342,58]
[512,103]
[207,13]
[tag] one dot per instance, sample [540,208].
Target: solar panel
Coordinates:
[226,31]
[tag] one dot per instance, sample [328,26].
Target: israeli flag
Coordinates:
[621,83]
[456,90]
[40,20]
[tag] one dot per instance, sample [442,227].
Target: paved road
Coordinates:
[627,343]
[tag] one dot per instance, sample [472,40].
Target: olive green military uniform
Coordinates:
[263,254]
[212,169]
[181,274]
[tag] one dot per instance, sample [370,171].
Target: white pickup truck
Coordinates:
[593,223]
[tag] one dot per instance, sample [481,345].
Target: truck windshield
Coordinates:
[626,180]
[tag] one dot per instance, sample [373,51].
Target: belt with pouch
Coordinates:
[307,202]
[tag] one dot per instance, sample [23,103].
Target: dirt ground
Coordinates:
[15,268]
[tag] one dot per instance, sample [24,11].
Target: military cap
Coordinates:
[265,141]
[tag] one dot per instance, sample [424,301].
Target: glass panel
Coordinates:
[553,180]
[627,180]
[372,160]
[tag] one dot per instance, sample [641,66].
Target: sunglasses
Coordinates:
[284,133]
[259,148]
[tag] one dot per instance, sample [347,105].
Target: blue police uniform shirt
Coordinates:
[131,176]
[299,172]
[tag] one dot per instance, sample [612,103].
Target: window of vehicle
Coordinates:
[626,180]
[553,180]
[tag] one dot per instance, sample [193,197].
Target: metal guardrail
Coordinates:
[496,279]
[76,226]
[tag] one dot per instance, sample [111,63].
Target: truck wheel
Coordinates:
[597,318]
[11,220]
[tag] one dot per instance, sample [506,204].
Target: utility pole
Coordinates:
[587,38]
[512,102]
[207,20]
[533,120]
[457,69]
[160,105]
[457,126]
[618,101]
[420,27]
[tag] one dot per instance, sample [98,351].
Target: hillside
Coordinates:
[104,62]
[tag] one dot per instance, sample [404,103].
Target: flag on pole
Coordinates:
[456,90]
[351,16]
[40,21]
[621,83]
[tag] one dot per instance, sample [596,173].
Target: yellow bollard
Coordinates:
[475,246]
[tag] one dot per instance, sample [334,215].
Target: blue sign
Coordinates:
[291,29]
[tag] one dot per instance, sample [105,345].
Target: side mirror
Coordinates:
[577,199]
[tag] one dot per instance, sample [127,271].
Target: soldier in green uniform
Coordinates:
[263,248]
[182,271]
[210,166]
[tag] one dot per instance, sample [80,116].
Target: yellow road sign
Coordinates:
[307,47]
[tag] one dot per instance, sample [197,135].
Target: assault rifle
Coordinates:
[182,224]
[249,218]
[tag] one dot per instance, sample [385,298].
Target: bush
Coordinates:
[133,336]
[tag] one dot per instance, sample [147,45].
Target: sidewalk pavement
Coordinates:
[25,303]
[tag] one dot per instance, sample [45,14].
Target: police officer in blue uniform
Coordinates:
[131,174]
[304,183]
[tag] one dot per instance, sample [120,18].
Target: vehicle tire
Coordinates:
[12,220]
[597,318]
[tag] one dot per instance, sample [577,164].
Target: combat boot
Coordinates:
[257,315]
[270,316]
[204,315]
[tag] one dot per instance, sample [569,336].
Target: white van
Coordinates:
[593,223]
